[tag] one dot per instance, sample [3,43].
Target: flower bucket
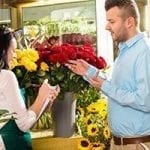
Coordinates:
[63,115]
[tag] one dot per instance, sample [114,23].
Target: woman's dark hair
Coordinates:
[129,7]
[5,39]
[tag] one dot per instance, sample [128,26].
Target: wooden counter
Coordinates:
[45,141]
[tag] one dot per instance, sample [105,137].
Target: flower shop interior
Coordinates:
[44,25]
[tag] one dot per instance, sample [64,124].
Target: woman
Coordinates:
[14,133]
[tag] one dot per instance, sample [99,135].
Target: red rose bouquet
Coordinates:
[57,55]
[47,61]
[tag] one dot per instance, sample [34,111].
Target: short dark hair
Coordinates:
[5,39]
[129,6]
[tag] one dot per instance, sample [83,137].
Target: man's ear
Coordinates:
[130,22]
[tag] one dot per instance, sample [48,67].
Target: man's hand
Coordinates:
[96,82]
[78,66]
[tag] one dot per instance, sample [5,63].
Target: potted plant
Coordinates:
[33,66]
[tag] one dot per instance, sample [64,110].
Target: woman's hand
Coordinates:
[54,92]
[48,91]
[78,66]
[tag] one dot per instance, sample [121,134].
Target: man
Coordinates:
[128,90]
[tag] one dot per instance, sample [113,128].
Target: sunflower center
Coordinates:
[84,143]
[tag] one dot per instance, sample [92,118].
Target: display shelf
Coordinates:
[50,143]
[44,140]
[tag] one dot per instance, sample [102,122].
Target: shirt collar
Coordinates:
[131,41]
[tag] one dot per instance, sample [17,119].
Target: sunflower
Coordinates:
[92,129]
[98,146]
[84,144]
[88,119]
[103,113]
[93,108]
[101,104]
[106,132]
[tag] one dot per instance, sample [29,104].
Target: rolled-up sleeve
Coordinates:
[25,119]
[91,72]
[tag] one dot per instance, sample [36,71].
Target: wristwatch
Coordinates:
[101,74]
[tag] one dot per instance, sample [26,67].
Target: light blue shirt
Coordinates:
[128,90]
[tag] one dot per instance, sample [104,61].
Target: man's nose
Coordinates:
[107,27]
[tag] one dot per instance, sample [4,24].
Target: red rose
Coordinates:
[101,63]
